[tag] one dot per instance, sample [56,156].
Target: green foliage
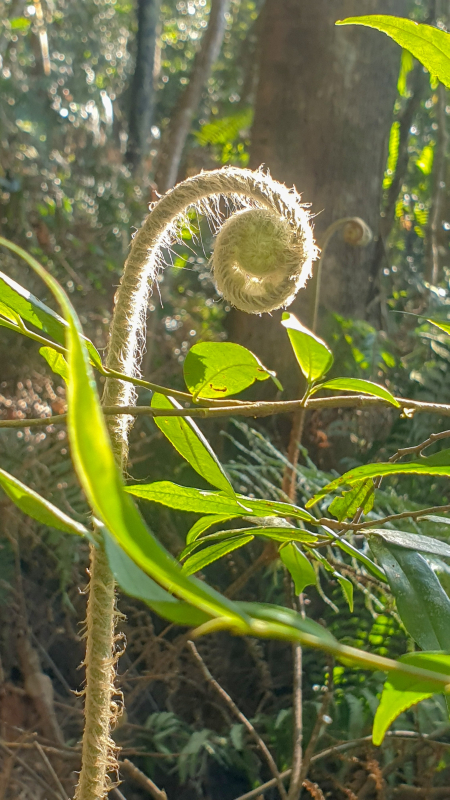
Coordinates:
[220,369]
[358,385]
[428,44]
[312,354]
[361,496]
[300,569]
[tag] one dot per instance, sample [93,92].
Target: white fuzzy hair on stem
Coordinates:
[263,256]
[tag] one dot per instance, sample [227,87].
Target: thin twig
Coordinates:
[43,784]
[258,409]
[309,752]
[242,718]
[52,772]
[142,779]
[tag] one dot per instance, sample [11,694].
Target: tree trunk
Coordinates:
[142,88]
[177,132]
[323,114]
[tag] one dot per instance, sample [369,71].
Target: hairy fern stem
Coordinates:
[263,256]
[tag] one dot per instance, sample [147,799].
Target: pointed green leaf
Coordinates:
[313,355]
[205,523]
[31,503]
[204,557]
[188,440]
[347,588]
[56,362]
[400,692]
[431,46]
[361,496]
[200,501]
[412,541]
[423,605]
[289,534]
[10,316]
[41,316]
[220,369]
[358,385]
[444,326]
[136,583]
[300,568]
[438,464]
[287,616]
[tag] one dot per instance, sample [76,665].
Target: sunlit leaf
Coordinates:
[287,616]
[37,507]
[444,326]
[360,386]
[289,534]
[313,355]
[423,605]
[300,568]
[220,369]
[56,362]
[425,160]
[189,441]
[438,464]
[200,501]
[361,496]
[347,588]
[204,557]
[205,523]
[400,692]
[428,44]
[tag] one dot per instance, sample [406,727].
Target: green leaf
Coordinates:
[400,692]
[361,496]
[188,440]
[425,159]
[412,541]
[204,523]
[300,568]
[444,326]
[200,501]
[31,503]
[312,354]
[56,362]
[423,605]
[220,369]
[136,583]
[358,385]
[287,616]
[11,317]
[438,464]
[431,46]
[347,588]
[41,316]
[289,534]
[210,554]
[101,480]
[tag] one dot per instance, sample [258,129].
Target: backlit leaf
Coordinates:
[313,355]
[188,440]
[204,557]
[361,496]
[220,369]
[431,46]
[400,692]
[31,503]
[360,386]
[203,524]
[438,464]
[56,361]
[300,568]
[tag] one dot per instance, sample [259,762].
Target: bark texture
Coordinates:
[179,126]
[322,120]
[142,88]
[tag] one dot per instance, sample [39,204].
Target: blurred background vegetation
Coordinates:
[105,104]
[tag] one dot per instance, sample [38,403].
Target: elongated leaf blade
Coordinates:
[423,605]
[301,570]
[40,315]
[221,369]
[443,326]
[210,554]
[360,386]
[287,616]
[37,507]
[313,355]
[188,440]
[428,44]
[205,523]
[361,496]
[400,692]
[200,501]
[289,534]
[438,464]
[56,362]
[412,541]
[136,583]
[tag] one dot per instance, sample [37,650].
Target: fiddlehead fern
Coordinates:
[263,256]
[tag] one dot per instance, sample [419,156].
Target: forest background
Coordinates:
[105,104]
